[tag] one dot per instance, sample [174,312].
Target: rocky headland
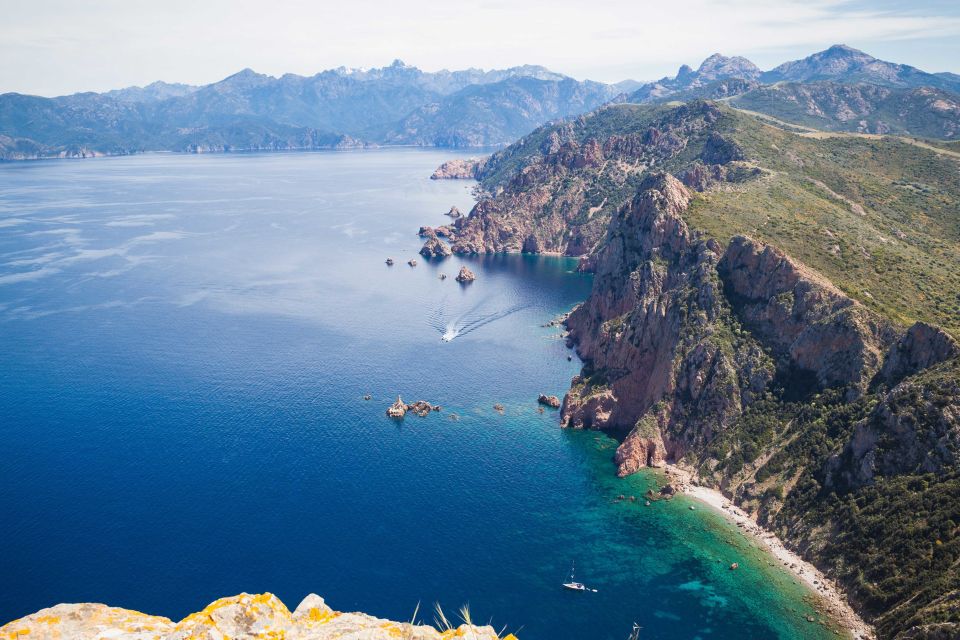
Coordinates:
[241,617]
[459,169]
[826,418]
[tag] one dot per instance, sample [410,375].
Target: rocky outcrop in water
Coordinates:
[242,617]
[465,275]
[434,247]
[421,408]
[550,401]
[398,409]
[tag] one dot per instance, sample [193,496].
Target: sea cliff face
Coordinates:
[704,345]
[242,617]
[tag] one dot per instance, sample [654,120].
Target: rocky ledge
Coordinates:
[460,169]
[242,617]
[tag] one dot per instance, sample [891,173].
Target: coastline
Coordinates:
[835,603]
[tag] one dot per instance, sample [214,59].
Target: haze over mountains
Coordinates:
[840,88]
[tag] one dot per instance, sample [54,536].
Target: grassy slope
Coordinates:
[878,216]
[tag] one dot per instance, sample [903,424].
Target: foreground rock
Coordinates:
[459,169]
[465,275]
[242,617]
[550,401]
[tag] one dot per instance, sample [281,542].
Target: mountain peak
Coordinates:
[719,66]
[842,50]
[842,63]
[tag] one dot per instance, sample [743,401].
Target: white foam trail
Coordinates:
[467,322]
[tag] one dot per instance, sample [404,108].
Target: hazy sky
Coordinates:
[51,47]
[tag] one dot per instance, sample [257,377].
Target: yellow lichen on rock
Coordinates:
[242,617]
[87,622]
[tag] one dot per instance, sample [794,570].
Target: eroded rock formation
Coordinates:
[434,247]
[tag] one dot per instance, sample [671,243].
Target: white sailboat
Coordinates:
[573,585]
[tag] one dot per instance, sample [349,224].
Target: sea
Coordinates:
[196,356]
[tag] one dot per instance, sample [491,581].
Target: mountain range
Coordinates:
[837,89]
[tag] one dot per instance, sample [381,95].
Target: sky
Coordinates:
[55,47]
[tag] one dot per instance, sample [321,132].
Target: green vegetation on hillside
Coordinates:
[866,108]
[895,543]
[879,217]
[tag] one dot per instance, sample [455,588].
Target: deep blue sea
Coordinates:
[185,347]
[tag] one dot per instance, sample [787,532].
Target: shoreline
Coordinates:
[836,603]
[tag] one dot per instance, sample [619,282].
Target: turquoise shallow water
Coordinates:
[186,343]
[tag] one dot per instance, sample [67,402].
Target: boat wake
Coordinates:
[452,325]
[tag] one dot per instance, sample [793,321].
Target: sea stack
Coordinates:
[434,247]
[465,275]
[550,401]
[398,409]
[454,213]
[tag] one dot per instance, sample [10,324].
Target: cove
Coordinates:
[187,343]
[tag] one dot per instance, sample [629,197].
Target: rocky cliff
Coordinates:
[706,344]
[555,190]
[242,617]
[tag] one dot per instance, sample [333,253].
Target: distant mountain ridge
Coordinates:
[331,109]
[836,89]
[845,64]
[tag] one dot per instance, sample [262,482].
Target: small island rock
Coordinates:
[550,401]
[398,409]
[434,247]
[465,275]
